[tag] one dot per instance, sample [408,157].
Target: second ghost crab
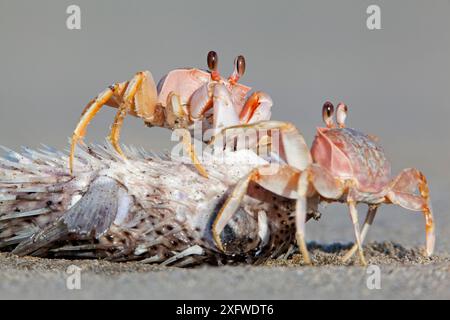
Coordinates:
[344,165]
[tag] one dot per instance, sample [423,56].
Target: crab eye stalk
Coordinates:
[213,61]
[239,70]
[240,65]
[341,114]
[327,114]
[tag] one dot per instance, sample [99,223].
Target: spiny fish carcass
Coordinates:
[147,208]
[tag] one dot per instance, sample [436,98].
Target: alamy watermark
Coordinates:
[73,280]
[373,21]
[264,142]
[73,21]
[373,280]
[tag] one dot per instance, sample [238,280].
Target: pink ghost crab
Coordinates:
[344,165]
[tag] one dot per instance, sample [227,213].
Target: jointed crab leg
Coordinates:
[367,223]
[354,217]
[300,216]
[87,116]
[124,107]
[329,188]
[190,149]
[402,194]
[282,183]
[113,97]
[294,149]
[230,207]
[138,99]
[286,181]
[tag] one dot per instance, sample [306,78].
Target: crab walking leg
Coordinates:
[354,217]
[403,194]
[124,108]
[114,135]
[190,149]
[300,216]
[141,89]
[428,213]
[91,110]
[174,111]
[331,188]
[282,182]
[229,208]
[294,148]
[367,223]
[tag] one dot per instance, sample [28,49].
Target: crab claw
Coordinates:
[224,112]
[257,108]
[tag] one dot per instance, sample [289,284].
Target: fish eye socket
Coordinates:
[213,61]
[240,65]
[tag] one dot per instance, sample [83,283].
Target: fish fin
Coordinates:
[89,218]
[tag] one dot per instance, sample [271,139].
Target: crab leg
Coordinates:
[120,96]
[142,91]
[294,149]
[89,113]
[300,215]
[367,223]
[331,188]
[403,194]
[189,148]
[229,208]
[325,185]
[174,111]
[283,183]
[405,184]
[124,107]
[296,153]
[114,135]
[354,217]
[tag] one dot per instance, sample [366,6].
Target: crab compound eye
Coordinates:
[213,61]
[240,65]
[327,113]
[327,110]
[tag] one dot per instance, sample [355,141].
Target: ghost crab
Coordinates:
[344,165]
[181,98]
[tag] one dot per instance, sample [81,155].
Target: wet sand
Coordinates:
[405,273]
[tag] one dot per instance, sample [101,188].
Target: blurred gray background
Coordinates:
[396,81]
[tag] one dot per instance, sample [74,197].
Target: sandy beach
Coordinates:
[405,274]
